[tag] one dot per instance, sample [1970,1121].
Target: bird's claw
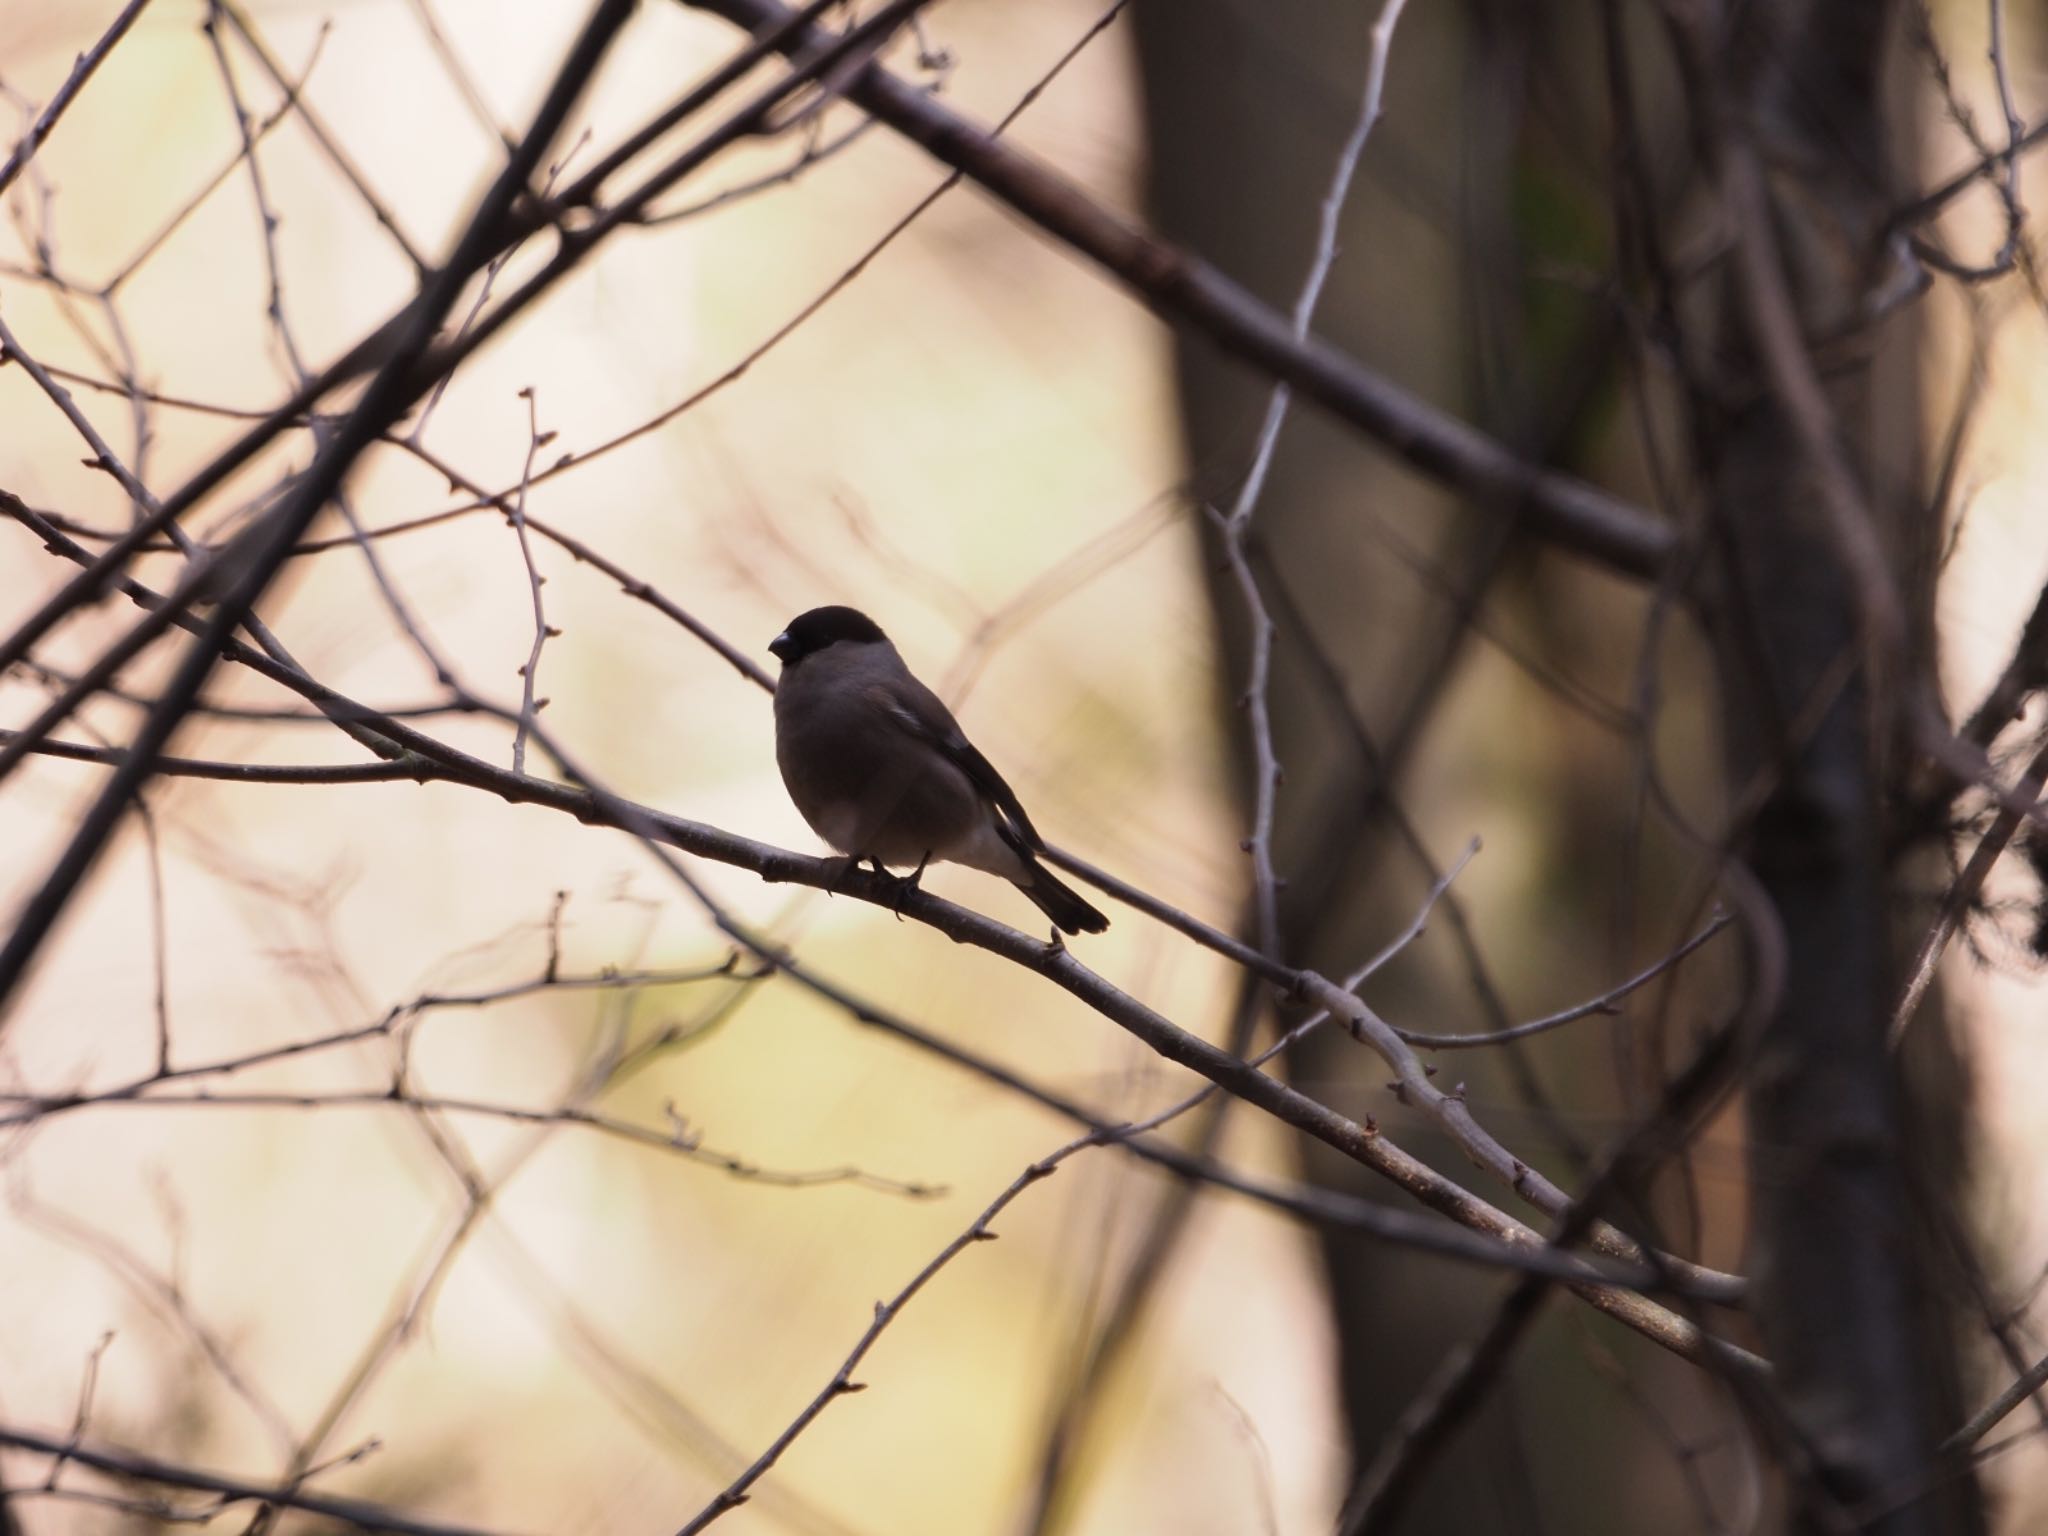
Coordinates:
[907,884]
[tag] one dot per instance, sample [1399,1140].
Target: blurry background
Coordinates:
[541,1327]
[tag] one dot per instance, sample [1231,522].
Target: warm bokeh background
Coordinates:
[977,442]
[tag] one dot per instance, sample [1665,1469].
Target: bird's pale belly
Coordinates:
[904,830]
[901,824]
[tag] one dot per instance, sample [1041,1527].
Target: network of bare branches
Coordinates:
[288,509]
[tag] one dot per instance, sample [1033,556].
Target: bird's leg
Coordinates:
[908,883]
[885,879]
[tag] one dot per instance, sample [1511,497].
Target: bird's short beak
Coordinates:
[781,646]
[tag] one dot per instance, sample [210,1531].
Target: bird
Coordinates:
[881,770]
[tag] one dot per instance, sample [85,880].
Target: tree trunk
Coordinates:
[1844,1299]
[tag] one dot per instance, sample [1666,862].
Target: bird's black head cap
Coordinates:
[811,632]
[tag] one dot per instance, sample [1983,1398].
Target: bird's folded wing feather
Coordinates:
[925,716]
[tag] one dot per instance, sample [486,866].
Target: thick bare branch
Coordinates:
[1182,287]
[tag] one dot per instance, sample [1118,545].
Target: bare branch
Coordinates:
[1569,512]
[88,63]
[1963,893]
[1982,1422]
[354,1513]
[1603,1004]
[1234,527]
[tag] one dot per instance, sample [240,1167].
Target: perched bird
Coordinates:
[882,771]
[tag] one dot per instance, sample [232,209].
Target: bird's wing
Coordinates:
[924,715]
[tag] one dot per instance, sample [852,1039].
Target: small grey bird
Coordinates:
[882,771]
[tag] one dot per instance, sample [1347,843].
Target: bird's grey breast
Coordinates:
[858,766]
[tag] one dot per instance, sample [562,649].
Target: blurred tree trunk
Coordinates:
[1469,186]
[1246,107]
[1840,1258]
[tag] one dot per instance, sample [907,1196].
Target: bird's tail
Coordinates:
[1060,902]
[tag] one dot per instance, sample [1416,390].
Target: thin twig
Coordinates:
[266,215]
[330,145]
[1981,1423]
[679,1138]
[1234,528]
[1956,904]
[1603,1004]
[354,1513]
[529,705]
[81,72]
[465,84]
